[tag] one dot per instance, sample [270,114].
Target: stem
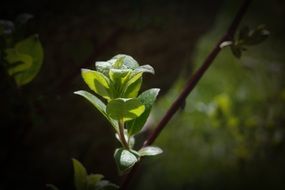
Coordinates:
[122,134]
[191,84]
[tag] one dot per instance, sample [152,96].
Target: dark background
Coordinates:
[44,125]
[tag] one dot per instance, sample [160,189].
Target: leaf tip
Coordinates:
[76,92]
[83,70]
[150,151]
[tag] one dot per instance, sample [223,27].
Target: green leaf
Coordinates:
[103,67]
[147,98]
[124,159]
[150,151]
[144,69]
[97,82]
[80,175]
[119,62]
[119,75]
[17,62]
[128,61]
[126,109]
[98,104]
[93,180]
[29,53]
[133,86]
[119,78]
[137,154]
[134,77]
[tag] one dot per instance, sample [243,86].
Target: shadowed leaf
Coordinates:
[80,175]
[25,60]
[147,98]
[124,159]
[126,109]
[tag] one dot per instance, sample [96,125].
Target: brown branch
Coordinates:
[190,85]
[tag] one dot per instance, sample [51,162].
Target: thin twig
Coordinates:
[190,85]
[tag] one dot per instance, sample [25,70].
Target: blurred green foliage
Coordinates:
[230,135]
[85,181]
[25,60]
[21,56]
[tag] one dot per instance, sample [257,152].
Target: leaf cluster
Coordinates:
[85,181]
[118,82]
[22,57]
[246,37]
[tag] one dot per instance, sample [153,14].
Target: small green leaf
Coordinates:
[118,63]
[124,159]
[147,98]
[126,109]
[105,185]
[98,104]
[93,180]
[80,175]
[133,86]
[144,69]
[97,82]
[17,62]
[26,51]
[134,77]
[118,81]
[14,56]
[150,151]
[119,75]
[136,153]
[128,61]
[103,67]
